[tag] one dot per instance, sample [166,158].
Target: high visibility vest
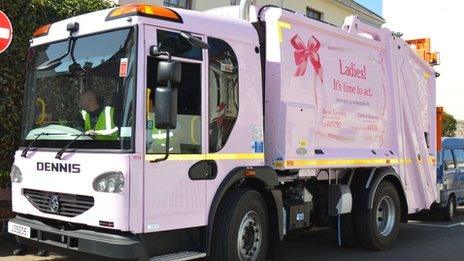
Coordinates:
[184,133]
[104,127]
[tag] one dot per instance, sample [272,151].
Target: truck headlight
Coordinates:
[16,175]
[112,182]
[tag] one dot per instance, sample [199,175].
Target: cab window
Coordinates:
[448,159]
[186,137]
[459,157]
[223,92]
[176,45]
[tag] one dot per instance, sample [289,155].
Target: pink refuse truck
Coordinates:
[166,134]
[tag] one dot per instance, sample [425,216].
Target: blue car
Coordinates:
[450,176]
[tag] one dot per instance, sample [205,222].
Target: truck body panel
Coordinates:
[333,100]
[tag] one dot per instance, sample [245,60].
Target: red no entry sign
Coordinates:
[6,32]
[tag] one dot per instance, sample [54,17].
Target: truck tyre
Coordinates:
[378,227]
[241,230]
[450,209]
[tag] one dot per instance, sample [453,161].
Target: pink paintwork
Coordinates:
[108,206]
[326,89]
[349,93]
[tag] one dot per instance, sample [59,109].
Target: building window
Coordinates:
[314,14]
[186,4]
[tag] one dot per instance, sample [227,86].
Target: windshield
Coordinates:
[89,91]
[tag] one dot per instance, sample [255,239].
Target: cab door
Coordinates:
[172,199]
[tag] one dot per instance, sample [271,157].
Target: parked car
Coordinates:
[450,176]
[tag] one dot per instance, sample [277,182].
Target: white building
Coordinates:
[459,129]
[331,11]
[438,20]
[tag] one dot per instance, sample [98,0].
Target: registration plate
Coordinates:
[19,230]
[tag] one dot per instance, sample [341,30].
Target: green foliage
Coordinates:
[4,179]
[448,125]
[26,16]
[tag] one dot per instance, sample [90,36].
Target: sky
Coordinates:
[438,21]
[373,5]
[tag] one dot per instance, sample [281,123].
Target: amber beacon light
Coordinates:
[158,12]
[41,31]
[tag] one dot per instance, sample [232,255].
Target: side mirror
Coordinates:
[169,71]
[165,108]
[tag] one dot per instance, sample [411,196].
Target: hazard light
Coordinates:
[41,31]
[158,12]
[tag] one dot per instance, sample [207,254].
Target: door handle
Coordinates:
[205,169]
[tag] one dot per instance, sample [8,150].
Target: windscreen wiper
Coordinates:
[28,147]
[59,154]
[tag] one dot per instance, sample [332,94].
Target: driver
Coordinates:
[98,120]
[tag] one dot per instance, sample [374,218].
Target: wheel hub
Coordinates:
[385,215]
[249,237]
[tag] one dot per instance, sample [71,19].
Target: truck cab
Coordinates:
[112,182]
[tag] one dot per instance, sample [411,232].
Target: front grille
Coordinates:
[69,205]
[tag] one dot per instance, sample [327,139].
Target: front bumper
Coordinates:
[87,241]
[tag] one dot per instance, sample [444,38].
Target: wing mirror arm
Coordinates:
[155,51]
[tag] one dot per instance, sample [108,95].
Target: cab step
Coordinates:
[181,256]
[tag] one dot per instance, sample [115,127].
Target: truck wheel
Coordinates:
[242,228]
[450,209]
[378,227]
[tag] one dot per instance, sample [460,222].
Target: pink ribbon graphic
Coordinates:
[302,53]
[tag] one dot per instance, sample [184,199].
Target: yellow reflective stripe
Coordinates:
[235,156]
[108,118]
[83,114]
[286,163]
[280,27]
[176,156]
[340,162]
[219,156]
[86,118]
[405,161]
[345,162]
[432,159]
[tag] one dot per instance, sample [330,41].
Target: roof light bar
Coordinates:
[158,12]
